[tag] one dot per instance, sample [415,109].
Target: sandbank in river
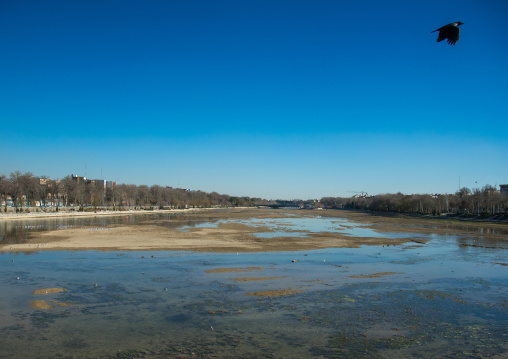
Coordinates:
[237,236]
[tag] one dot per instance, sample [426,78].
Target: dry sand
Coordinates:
[157,235]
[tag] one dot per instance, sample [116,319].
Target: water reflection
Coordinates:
[476,227]
[18,231]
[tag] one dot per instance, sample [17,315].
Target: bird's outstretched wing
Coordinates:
[449,32]
[452,34]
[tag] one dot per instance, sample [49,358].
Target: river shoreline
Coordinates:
[344,212]
[62,213]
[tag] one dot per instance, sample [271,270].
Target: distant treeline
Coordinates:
[487,201]
[25,190]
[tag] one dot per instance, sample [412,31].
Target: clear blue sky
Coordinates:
[273,99]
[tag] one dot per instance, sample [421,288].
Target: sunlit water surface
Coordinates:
[444,299]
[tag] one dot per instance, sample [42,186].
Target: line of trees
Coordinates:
[487,201]
[25,190]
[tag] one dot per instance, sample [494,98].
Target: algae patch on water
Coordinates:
[374,275]
[275,293]
[48,291]
[251,279]
[230,270]
[61,304]
[40,304]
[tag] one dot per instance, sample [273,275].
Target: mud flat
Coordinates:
[229,235]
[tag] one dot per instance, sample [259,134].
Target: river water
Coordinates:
[447,298]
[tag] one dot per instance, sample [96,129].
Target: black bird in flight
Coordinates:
[450,32]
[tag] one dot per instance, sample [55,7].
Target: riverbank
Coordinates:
[63,213]
[229,230]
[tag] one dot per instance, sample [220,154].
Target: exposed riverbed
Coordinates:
[400,289]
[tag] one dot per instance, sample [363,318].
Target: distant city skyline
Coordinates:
[270,99]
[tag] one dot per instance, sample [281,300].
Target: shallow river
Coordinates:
[447,298]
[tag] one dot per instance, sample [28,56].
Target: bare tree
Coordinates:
[72,192]
[121,195]
[55,189]
[157,193]
[143,195]
[97,193]
[21,186]
[4,190]
[129,192]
